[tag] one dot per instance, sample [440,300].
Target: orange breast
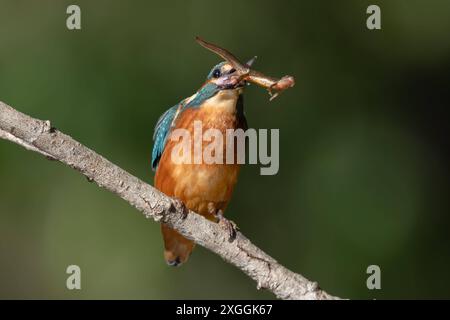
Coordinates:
[199,186]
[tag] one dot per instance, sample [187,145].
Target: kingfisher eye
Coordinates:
[216,73]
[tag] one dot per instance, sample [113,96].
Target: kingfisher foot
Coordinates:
[228,225]
[179,206]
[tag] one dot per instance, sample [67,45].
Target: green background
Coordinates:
[363,177]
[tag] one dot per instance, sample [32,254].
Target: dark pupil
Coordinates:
[216,73]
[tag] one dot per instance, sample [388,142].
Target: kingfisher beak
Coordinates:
[231,81]
[251,61]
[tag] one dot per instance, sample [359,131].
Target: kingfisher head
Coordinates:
[225,77]
[222,82]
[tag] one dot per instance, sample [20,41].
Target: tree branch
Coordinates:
[39,136]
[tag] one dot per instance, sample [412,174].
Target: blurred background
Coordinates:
[364,144]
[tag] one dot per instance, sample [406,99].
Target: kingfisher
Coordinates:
[204,188]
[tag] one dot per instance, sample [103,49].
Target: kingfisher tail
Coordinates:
[177,248]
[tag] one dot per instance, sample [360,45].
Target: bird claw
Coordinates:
[179,206]
[229,225]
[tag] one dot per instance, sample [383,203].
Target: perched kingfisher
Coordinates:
[203,188]
[218,104]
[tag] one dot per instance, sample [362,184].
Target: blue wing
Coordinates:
[161,132]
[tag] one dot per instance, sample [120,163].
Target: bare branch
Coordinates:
[8,136]
[39,136]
